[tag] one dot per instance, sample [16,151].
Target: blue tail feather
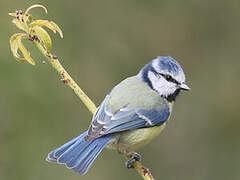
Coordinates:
[75,150]
[85,164]
[54,155]
[79,154]
[75,161]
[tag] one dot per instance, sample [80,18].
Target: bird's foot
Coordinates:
[134,157]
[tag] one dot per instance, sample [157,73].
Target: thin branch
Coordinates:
[142,171]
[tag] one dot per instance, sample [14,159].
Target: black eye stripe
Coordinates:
[169,78]
[165,76]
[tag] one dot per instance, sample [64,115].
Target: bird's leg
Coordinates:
[133,158]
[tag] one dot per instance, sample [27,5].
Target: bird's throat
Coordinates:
[172,97]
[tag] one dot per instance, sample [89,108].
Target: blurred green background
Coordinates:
[105,42]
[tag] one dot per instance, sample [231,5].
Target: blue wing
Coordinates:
[127,118]
[135,119]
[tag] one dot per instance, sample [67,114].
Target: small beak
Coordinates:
[184,87]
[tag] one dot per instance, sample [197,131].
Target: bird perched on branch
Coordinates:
[131,115]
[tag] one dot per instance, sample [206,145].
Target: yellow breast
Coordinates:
[131,140]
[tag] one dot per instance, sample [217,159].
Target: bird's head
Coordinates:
[164,75]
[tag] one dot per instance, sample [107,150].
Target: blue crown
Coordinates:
[167,63]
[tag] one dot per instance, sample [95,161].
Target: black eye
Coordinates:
[168,77]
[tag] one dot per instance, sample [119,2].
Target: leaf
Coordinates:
[43,35]
[41,22]
[57,28]
[16,43]
[36,6]
[14,46]
[49,24]
[12,14]
[25,52]
[20,25]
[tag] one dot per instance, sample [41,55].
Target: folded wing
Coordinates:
[105,121]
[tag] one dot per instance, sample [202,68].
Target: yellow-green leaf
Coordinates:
[41,22]
[20,25]
[12,14]
[43,35]
[36,6]
[57,28]
[25,52]
[49,24]
[14,46]
[16,43]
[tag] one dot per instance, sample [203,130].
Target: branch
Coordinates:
[34,32]
[142,171]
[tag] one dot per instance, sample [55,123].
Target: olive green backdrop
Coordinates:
[105,42]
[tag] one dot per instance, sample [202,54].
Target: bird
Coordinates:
[133,113]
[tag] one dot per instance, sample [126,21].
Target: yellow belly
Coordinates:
[131,140]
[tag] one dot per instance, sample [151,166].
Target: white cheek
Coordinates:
[160,84]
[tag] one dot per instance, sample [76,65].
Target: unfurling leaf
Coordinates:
[15,44]
[43,36]
[49,24]
[36,6]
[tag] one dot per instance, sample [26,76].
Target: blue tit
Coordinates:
[131,115]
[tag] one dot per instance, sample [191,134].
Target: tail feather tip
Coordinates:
[79,154]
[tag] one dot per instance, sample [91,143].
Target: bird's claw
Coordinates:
[134,157]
